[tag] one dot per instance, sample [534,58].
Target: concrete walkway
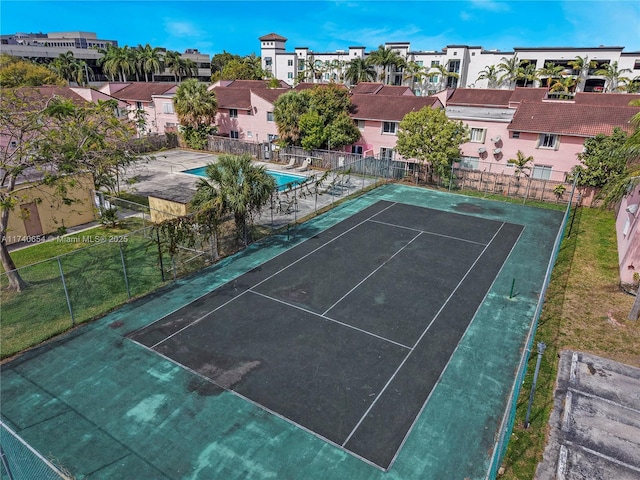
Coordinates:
[595,423]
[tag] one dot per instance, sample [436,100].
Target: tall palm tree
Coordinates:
[65,65]
[582,65]
[614,75]
[490,74]
[150,60]
[443,74]
[385,58]
[551,72]
[118,61]
[172,62]
[313,69]
[194,104]
[414,73]
[82,73]
[510,68]
[359,70]
[527,72]
[236,185]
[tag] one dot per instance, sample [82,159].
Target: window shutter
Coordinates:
[556,143]
[484,135]
[539,140]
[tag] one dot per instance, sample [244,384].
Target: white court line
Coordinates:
[429,233]
[424,405]
[323,316]
[420,338]
[260,406]
[198,320]
[374,271]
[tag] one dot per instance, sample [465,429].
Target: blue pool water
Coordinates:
[282,179]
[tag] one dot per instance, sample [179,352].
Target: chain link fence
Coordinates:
[21,462]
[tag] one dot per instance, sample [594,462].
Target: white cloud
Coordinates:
[182,29]
[491,5]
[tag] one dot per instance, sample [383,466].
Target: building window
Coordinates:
[289,74]
[419,63]
[389,127]
[542,172]
[139,105]
[269,116]
[357,149]
[271,137]
[469,162]
[386,153]
[478,135]
[361,124]
[548,140]
[234,134]
[289,63]
[435,63]
[433,79]
[249,134]
[515,134]
[167,107]
[233,113]
[267,61]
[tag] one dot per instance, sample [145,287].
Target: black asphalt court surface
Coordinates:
[346,334]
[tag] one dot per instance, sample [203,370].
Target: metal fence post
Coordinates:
[66,292]
[124,271]
[541,347]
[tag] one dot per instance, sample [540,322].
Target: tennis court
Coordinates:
[347,333]
[377,341]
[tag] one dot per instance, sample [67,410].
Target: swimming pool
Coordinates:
[283,180]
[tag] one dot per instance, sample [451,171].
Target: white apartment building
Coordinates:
[466,61]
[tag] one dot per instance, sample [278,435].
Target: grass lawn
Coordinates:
[93,275]
[584,310]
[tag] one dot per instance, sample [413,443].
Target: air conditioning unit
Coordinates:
[496,139]
[497,151]
[482,150]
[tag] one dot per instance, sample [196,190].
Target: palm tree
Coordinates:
[613,75]
[510,68]
[118,61]
[150,60]
[414,72]
[521,163]
[172,62]
[490,74]
[65,65]
[551,71]
[633,85]
[83,72]
[564,84]
[385,58]
[582,65]
[527,72]
[443,73]
[359,70]
[313,69]
[235,185]
[195,105]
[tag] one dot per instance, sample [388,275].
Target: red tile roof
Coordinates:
[309,85]
[364,88]
[239,98]
[37,96]
[571,119]
[253,84]
[272,36]
[142,91]
[611,99]
[270,94]
[389,108]
[521,94]
[371,88]
[480,97]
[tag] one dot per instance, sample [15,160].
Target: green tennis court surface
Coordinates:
[377,341]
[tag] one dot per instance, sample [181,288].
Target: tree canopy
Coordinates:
[15,72]
[429,136]
[602,159]
[47,139]
[316,118]
[196,108]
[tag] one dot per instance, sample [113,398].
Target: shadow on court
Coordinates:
[381,336]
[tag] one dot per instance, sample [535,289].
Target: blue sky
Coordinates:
[234,26]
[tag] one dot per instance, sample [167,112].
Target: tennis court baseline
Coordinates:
[347,333]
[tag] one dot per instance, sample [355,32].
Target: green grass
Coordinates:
[582,294]
[94,277]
